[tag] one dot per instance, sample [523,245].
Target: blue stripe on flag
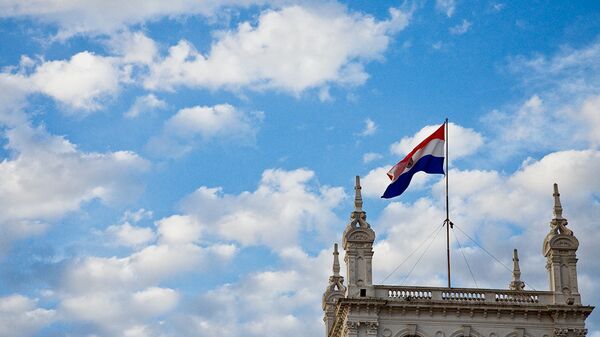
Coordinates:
[427,164]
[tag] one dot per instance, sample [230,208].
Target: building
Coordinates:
[363,309]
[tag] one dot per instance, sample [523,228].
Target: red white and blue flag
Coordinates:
[427,157]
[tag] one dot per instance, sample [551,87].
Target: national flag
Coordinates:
[428,157]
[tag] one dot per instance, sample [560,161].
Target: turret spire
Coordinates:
[558,223]
[516,283]
[358,203]
[557,205]
[334,291]
[336,261]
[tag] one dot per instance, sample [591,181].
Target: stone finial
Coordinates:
[336,260]
[516,283]
[558,223]
[358,203]
[336,280]
[358,217]
[557,206]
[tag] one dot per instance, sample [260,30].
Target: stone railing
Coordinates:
[463,295]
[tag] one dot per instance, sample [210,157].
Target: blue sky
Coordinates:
[183,168]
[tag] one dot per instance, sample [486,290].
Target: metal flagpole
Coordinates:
[447,221]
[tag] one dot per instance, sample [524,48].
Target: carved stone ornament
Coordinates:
[351,325]
[356,236]
[372,326]
[559,241]
[564,332]
[360,236]
[559,227]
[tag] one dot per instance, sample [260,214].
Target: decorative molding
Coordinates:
[569,332]
[351,325]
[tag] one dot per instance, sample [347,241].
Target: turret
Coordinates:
[334,291]
[358,243]
[560,247]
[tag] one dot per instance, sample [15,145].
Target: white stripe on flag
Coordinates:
[435,148]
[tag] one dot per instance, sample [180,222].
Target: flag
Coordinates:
[428,157]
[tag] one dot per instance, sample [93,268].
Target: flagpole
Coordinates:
[447,221]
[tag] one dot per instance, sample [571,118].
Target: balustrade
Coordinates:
[463,295]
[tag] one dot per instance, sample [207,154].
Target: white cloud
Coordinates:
[172,254]
[81,82]
[590,117]
[122,296]
[137,216]
[370,128]
[324,95]
[292,49]
[198,124]
[561,112]
[284,302]
[526,127]
[569,70]
[128,235]
[89,16]
[283,205]
[13,92]
[113,312]
[461,28]
[85,81]
[446,6]
[208,121]
[375,182]
[462,141]
[567,77]
[371,156]
[49,172]
[331,46]
[179,229]
[20,316]
[133,47]
[145,104]
[154,301]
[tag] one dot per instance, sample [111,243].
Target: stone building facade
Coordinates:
[362,309]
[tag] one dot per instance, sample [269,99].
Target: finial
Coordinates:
[557,206]
[516,283]
[516,269]
[336,261]
[358,203]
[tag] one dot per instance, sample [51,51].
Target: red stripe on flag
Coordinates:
[399,167]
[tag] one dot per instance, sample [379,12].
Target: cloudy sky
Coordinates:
[183,167]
